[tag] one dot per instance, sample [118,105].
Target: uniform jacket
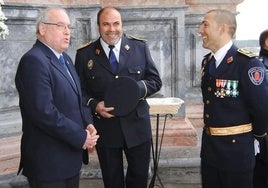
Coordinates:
[236,95]
[53,121]
[95,73]
[264,60]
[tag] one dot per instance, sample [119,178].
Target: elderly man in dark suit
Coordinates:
[122,127]
[56,128]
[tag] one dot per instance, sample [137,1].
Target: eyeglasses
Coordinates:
[60,26]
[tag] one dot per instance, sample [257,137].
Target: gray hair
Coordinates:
[44,16]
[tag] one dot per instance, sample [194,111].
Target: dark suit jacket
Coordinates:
[95,73]
[228,104]
[53,120]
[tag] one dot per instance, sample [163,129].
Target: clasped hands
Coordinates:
[92,137]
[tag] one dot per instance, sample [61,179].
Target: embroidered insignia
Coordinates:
[256,75]
[230,59]
[127,47]
[136,38]
[90,64]
[84,45]
[97,51]
[247,52]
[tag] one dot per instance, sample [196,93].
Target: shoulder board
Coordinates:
[84,45]
[136,38]
[247,52]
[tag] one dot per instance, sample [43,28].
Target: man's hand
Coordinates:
[103,111]
[92,137]
[263,142]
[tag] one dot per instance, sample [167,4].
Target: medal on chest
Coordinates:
[226,88]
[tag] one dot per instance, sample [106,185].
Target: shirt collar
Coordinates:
[57,54]
[220,54]
[106,48]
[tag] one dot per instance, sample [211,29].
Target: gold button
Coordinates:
[207,101]
[233,141]
[116,76]
[207,115]
[209,89]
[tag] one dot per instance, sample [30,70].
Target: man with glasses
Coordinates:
[56,127]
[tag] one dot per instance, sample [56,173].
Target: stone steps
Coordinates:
[174,173]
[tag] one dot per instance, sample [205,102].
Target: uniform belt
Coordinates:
[225,131]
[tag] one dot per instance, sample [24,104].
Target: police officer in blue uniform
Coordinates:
[122,126]
[260,179]
[235,91]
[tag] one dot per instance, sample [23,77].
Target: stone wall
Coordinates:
[169,26]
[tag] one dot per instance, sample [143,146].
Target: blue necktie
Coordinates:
[62,62]
[112,59]
[212,66]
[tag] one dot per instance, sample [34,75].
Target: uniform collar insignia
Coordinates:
[127,47]
[230,59]
[97,51]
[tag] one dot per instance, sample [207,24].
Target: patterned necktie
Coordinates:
[212,66]
[112,59]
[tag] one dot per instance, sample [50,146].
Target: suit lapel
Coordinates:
[124,53]
[227,60]
[55,62]
[74,80]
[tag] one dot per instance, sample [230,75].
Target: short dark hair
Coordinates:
[263,37]
[101,11]
[226,17]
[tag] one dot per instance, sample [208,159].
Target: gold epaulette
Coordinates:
[247,52]
[136,38]
[84,45]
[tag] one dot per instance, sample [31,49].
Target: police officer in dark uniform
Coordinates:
[123,120]
[235,91]
[261,168]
